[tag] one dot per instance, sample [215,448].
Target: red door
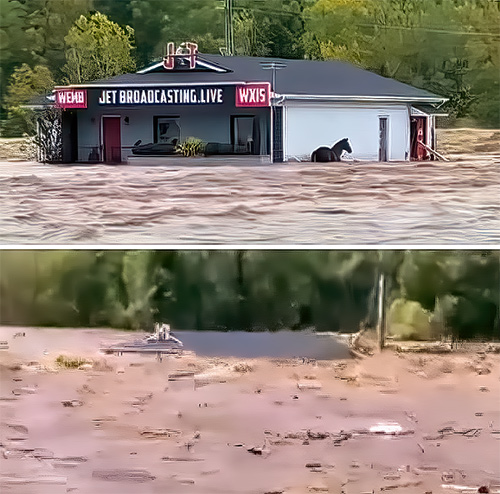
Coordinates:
[418,135]
[112,139]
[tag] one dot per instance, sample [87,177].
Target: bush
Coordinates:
[71,362]
[407,320]
[19,122]
[192,146]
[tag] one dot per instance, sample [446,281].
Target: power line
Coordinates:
[428,29]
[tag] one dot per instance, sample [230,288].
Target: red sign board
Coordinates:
[253,94]
[71,98]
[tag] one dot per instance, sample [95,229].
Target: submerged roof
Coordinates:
[312,78]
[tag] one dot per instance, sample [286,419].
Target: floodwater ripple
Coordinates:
[295,203]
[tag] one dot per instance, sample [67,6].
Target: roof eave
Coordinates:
[366,98]
[27,106]
[135,85]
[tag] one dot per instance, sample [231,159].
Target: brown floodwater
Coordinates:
[242,202]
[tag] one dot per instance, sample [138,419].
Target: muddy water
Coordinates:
[281,344]
[456,202]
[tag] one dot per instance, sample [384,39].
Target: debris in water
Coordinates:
[391,428]
[72,403]
[155,433]
[123,475]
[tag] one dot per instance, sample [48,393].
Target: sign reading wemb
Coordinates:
[71,98]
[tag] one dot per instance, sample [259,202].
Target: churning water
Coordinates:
[456,202]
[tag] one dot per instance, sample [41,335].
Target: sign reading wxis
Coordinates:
[253,94]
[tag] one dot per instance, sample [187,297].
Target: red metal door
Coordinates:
[112,139]
[418,135]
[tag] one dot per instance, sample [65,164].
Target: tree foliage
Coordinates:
[429,293]
[32,32]
[450,47]
[25,83]
[97,49]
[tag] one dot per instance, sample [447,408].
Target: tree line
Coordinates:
[450,47]
[428,293]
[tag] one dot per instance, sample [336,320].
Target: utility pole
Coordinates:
[228,27]
[381,312]
[276,114]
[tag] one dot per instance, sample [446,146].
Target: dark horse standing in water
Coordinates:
[325,154]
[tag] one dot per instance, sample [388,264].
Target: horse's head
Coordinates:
[346,146]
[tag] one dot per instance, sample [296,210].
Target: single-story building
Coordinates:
[231,104]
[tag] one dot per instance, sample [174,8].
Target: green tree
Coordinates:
[12,40]
[97,49]
[33,31]
[47,23]
[427,293]
[450,47]
[138,279]
[155,23]
[25,83]
[272,29]
[336,27]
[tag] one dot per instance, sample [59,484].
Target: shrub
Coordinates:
[192,146]
[71,362]
[407,320]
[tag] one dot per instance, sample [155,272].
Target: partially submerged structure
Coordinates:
[162,341]
[230,104]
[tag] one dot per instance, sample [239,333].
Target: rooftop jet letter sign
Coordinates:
[185,50]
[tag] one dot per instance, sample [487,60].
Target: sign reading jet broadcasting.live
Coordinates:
[247,95]
[163,96]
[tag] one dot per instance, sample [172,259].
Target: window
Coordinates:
[242,134]
[167,130]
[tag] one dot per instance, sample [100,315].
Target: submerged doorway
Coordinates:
[111,137]
[69,136]
[382,149]
[418,136]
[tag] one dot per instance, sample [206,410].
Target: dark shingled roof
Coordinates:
[300,77]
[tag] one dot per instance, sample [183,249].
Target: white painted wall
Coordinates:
[310,125]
